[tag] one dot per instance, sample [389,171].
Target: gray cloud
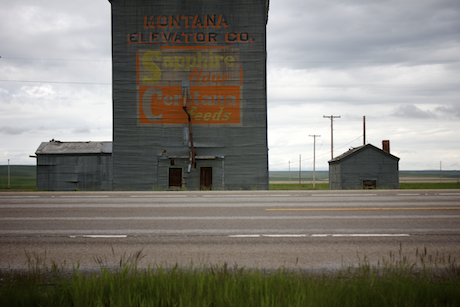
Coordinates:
[12,130]
[52,27]
[82,130]
[411,111]
[363,33]
[450,111]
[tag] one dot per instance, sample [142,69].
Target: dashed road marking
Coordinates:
[362,209]
[320,235]
[104,236]
[79,196]
[342,195]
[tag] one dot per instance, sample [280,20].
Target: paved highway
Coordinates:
[264,229]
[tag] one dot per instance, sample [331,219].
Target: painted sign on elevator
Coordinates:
[215,79]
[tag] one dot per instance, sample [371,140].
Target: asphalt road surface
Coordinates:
[253,229]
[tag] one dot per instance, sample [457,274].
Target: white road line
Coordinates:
[105,236]
[408,194]
[228,218]
[97,196]
[248,196]
[12,196]
[342,195]
[320,235]
[221,232]
[372,235]
[285,236]
[158,196]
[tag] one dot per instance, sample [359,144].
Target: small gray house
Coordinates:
[364,167]
[71,166]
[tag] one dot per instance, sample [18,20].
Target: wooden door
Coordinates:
[175,178]
[206,178]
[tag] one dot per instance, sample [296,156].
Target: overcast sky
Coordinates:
[395,62]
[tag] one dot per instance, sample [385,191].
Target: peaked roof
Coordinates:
[59,148]
[355,150]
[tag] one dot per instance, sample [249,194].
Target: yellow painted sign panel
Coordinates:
[213,77]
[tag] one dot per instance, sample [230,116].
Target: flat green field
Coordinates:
[404,176]
[23,177]
[402,185]
[283,180]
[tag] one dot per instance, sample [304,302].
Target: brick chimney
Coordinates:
[386,145]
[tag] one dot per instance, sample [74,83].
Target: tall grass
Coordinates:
[427,280]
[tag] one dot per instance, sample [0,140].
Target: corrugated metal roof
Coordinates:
[58,147]
[357,149]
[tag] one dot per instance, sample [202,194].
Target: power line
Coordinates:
[424,85]
[268,62]
[64,82]
[364,62]
[318,155]
[41,59]
[365,85]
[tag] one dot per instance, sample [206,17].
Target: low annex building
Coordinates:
[364,167]
[72,166]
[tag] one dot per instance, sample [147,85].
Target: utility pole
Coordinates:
[300,170]
[440,171]
[8,173]
[364,130]
[314,156]
[289,172]
[332,133]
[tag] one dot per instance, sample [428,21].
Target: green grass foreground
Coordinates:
[395,281]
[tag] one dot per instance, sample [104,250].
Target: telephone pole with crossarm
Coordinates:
[332,133]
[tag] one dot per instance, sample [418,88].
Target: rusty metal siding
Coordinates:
[219,48]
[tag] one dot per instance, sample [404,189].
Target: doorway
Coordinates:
[206,178]
[175,178]
[369,184]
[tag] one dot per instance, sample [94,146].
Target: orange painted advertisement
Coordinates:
[211,77]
